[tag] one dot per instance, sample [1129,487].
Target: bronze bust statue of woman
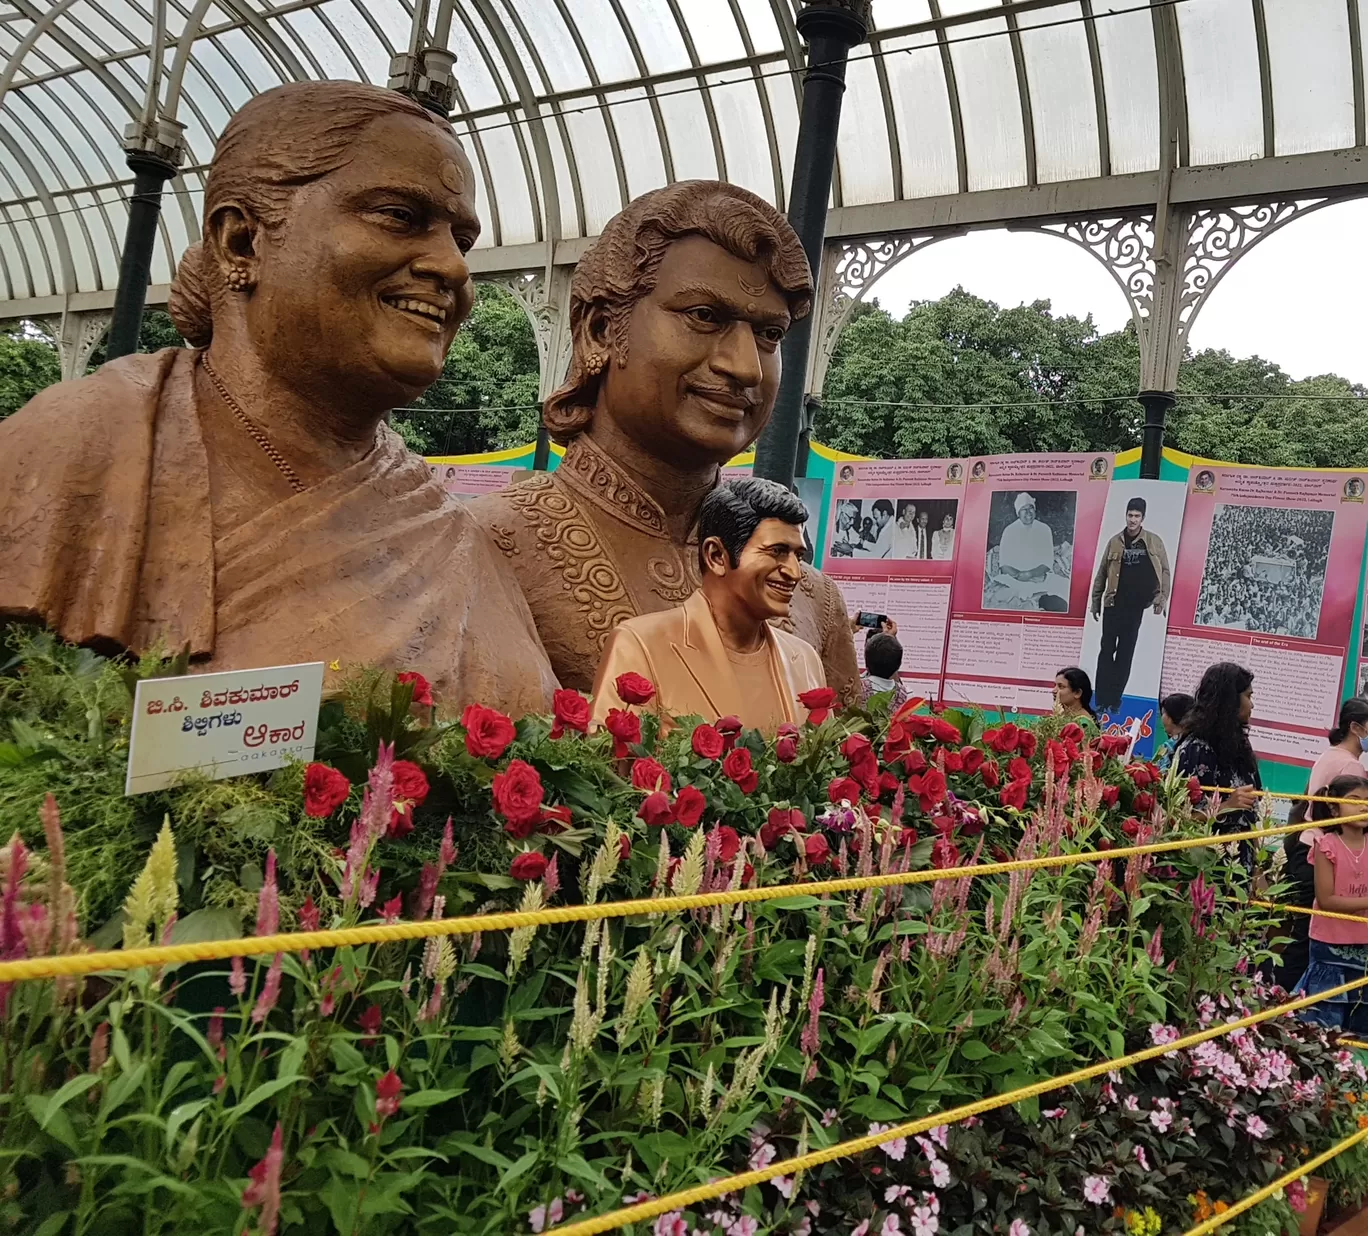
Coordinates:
[677,312]
[244,495]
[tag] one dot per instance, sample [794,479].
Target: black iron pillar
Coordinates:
[1156,405]
[831,28]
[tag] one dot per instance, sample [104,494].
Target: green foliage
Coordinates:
[28,363]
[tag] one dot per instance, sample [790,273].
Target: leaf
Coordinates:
[975,1049]
[430,1098]
[76,1086]
[345,1056]
[260,1095]
[519,1169]
[179,1115]
[340,1197]
[803,901]
[462,1144]
[123,1088]
[292,1058]
[53,1224]
[210,923]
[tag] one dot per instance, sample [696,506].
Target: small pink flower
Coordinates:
[861,1228]
[1256,1128]
[1097,1190]
[1161,1120]
[785,1185]
[542,1217]
[237,977]
[891,1226]
[941,1136]
[894,1149]
[1055,1113]
[1018,1228]
[764,1155]
[671,1224]
[829,1117]
[1140,1158]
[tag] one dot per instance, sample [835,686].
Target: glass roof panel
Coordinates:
[510,185]
[638,140]
[1313,84]
[120,26]
[478,84]
[597,170]
[761,26]
[313,34]
[565,183]
[489,231]
[745,143]
[363,43]
[1130,81]
[686,128]
[560,59]
[713,30]
[784,109]
[657,34]
[985,76]
[1063,102]
[1221,73]
[602,33]
[862,145]
[921,109]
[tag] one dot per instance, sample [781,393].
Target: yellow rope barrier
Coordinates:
[787,1167]
[73,964]
[1248,1203]
[1278,905]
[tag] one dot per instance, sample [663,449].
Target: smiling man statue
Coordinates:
[717,654]
[244,495]
[677,312]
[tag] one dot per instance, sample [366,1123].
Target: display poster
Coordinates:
[891,539]
[222,725]
[1128,600]
[1267,576]
[1023,577]
[471,480]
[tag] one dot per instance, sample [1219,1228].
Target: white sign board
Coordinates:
[222,725]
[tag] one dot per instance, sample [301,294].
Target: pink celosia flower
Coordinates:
[264,1191]
[551,878]
[214,1036]
[268,900]
[1154,949]
[391,910]
[446,855]
[237,977]
[270,991]
[810,1040]
[1097,1190]
[387,1095]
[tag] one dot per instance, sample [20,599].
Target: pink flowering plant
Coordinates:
[511,1081]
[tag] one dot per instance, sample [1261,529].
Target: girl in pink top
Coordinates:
[1339,949]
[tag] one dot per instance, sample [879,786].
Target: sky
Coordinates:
[1295,298]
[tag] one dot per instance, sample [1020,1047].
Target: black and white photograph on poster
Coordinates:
[897,529]
[1029,559]
[1265,570]
[1132,580]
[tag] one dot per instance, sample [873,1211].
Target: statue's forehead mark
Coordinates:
[452,176]
[758,288]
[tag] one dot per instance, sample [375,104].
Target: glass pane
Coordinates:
[598,177]
[565,182]
[657,35]
[1313,85]
[360,38]
[1130,79]
[475,76]
[244,51]
[761,26]
[866,171]
[511,188]
[985,75]
[489,232]
[891,14]
[742,124]
[53,52]
[1063,102]
[93,18]
[394,22]
[304,23]
[85,137]
[602,33]
[639,141]
[39,126]
[921,107]
[784,109]
[212,62]
[1221,71]
[560,57]
[713,30]
[686,128]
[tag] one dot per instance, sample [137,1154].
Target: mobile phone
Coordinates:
[873,621]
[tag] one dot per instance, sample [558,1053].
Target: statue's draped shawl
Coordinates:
[106,535]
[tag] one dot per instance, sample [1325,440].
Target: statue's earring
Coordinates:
[236,279]
[595,363]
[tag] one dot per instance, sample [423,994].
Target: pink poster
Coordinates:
[1022,577]
[471,480]
[1268,568]
[892,535]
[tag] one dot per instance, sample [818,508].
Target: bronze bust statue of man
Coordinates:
[677,312]
[717,654]
[244,495]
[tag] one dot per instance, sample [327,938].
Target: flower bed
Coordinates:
[507,1082]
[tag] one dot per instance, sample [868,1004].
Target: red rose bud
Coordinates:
[1194,788]
[1141,775]
[929,787]
[888,783]
[737,766]
[655,810]
[422,689]
[728,842]
[648,774]
[914,762]
[624,847]
[1104,843]
[991,774]
[708,742]
[1073,732]
[325,789]
[529,865]
[488,732]
[634,689]
[943,731]
[844,790]
[786,748]
[625,727]
[1110,795]
[570,711]
[1143,802]
[817,849]
[1131,827]
[729,727]
[518,794]
[781,821]
[1013,794]
[971,759]
[856,747]
[689,806]
[907,838]
[819,703]
[1026,743]
[944,853]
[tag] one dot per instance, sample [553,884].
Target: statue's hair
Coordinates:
[276,143]
[620,267]
[734,509]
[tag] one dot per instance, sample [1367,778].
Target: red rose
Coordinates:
[648,774]
[844,790]
[1143,803]
[624,847]
[737,766]
[1004,739]
[689,806]
[943,731]
[410,790]
[1141,775]
[954,762]
[422,689]
[1073,732]
[728,842]
[888,783]
[1013,794]
[708,743]
[856,747]
[786,745]
[518,793]
[914,762]
[634,689]
[897,743]
[929,787]
[1018,769]
[571,712]
[1195,794]
[782,820]
[1111,744]
[325,789]
[1110,795]
[818,702]
[655,810]
[553,819]
[625,727]
[529,865]
[1057,758]
[729,727]
[918,726]
[907,838]
[971,758]
[1131,827]
[1026,743]
[488,732]
[991,774]
[817,849]
[865,770]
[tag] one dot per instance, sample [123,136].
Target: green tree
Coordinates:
[28,363]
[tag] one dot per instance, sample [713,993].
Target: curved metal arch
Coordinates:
[1028,135]
[64,261]
[255,23]
[1099,88]
[101,71]
[12,224]
[343,44]
[27,43]
[952,97]
[639,59]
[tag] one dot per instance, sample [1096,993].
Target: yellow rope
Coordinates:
[383,933]
[1277,905]
[787,1167]
[1248,1203]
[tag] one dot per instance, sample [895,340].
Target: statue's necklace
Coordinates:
[258,435]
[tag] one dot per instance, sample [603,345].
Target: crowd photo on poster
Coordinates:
[1029,560]
[1265,570]
[897,529]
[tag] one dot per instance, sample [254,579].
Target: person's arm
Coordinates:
[1325,889]
[1100,582]
[1165,578]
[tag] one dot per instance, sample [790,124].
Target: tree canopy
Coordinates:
[955,376]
